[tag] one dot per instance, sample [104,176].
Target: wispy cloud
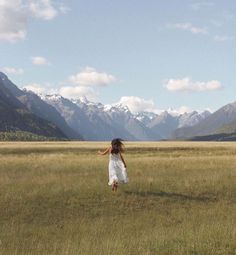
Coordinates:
[76,92]
[222,38]
[41,89]
[137,104]
[40,61]
[85,83]
[70,92]
[43,9]
[15,16]
[63,8]
[183,109]
[188,27]
[13,20]
[200,5]
[186,84]
[91,77]
[12,70]
[134,103]
[36,88]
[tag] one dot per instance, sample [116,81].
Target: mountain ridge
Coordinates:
[14,116]
[210,124]
[117,120]
[34,104]
[80,117]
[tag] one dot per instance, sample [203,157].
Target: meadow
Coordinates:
[54,199]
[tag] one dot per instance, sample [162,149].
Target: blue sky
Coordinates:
[150,55]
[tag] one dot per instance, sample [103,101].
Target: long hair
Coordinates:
[117,146]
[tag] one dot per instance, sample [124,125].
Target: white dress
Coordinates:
[117,170]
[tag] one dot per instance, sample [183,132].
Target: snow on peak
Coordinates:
[191,118]
[122,107]
[84,99]
[145,117]
[84,102]
[51,97]
[116,108]
[205,113]
[107,107]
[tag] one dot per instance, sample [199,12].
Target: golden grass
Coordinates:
[54,199]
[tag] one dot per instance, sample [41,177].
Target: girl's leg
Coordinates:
[116,186]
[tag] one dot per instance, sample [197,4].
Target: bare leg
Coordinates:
[116,186]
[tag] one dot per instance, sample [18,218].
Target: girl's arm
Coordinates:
[122,159]
[104,152]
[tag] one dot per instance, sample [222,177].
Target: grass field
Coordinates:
[54,199]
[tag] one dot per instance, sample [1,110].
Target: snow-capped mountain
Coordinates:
[96,121]
[55,116]
[164,124]
[145,117]
[209,125]
[192,118]
[88,117]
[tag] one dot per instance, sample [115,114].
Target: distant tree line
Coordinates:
[24,136]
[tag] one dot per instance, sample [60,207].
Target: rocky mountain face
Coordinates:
[15,116]
[166,123]
[210,124]
[192,118]
[34,104]
[227,128]
[96,121]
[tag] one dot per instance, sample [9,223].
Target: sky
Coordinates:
[150,55]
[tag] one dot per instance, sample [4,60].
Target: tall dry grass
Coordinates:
[54,199]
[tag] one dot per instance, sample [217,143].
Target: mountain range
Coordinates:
[215,123]
[15,116]
[96,121]
[56,116]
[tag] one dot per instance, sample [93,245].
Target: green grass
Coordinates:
[54,199]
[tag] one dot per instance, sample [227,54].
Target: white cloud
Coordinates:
[16,14]
[186,84]
[42,9]
[137,104]
[77,92]
[199,5]
[13,20]
[91,77]
[222,38]
[83,88]
[64,9]
[36,88]
[84,81]
[216,22]
[44,89]
[12,70]
[189,27]
[39,61]
[181,110]
[184,109]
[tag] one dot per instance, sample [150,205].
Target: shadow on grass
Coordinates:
[172,195]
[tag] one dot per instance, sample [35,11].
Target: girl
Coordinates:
[117,165]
